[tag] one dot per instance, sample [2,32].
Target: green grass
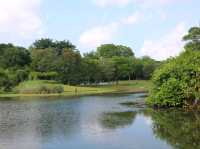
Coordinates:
[122,87]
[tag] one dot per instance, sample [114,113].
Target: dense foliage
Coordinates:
[178,128]
[61,61]
[177,82]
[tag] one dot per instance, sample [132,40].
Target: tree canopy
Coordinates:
[48,59]
[177,82]
[192,39]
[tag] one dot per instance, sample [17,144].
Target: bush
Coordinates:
[177,82]
[50,89]
[43,75]
[39,87]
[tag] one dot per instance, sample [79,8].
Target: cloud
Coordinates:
[106,3]
[169,45]
[98,35]
[146,3]
[20,18]
[132,19]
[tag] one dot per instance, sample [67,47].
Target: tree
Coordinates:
[177,82]
[44,60]
[91,70]
[66,64]
[43,43]
[192,39]
[13,56]
[3,80]
[111,50]
[149,65]
[46,43]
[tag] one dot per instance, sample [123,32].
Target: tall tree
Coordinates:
[13,56]
[46,43]
[111,50]
[192,39]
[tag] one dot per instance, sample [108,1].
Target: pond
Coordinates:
[95,122]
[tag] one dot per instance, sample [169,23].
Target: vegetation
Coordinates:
[39,87]
[177,82]
[42,87]
[176,127]
[113,120]
[61,61]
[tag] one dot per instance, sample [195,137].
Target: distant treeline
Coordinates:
[61,61]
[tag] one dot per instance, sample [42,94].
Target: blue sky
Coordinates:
[149,27]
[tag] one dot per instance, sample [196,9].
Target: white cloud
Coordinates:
[132,19]
[169,45]
[98,35]
[106,3]
[146,3]
[20,18]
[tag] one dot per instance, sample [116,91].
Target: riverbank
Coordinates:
[136,86]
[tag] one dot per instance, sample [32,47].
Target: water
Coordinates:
[95,122]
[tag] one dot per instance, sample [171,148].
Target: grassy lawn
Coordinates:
[122,87]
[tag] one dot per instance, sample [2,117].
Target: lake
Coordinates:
[95,122]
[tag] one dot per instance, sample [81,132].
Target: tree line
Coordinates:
[61,61]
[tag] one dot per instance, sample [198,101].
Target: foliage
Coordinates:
[111,50]
[12,56]
[46,43]
[61,61]
[43,75]
[113,120]
[177,83]
[66,64]
[39,87]
[176,127]
[193,39]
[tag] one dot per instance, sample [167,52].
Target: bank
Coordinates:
[134,86]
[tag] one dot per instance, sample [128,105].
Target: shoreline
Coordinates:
[71,94]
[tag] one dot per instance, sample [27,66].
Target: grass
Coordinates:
[122,87]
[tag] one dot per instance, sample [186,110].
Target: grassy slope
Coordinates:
[122,87]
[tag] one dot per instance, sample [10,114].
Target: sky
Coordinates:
[150,27]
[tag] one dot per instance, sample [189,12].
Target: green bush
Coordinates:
[39,87]
[44,89]
[43,76]
[177,82]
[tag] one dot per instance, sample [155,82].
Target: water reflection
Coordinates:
[113,120]
[29,124]
[179,128]
[96,122]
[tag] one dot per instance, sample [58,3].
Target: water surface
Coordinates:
[95,122]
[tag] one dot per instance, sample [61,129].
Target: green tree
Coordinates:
[13,56]
[192,39]
[111,50]
[177,83]
[149,65]
[46,43]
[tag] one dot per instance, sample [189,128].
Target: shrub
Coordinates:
[43,75]
[177,82]
[39,87]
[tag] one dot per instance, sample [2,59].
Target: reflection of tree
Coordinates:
[115,120]
[179,128]
[57,120]
[41,120]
